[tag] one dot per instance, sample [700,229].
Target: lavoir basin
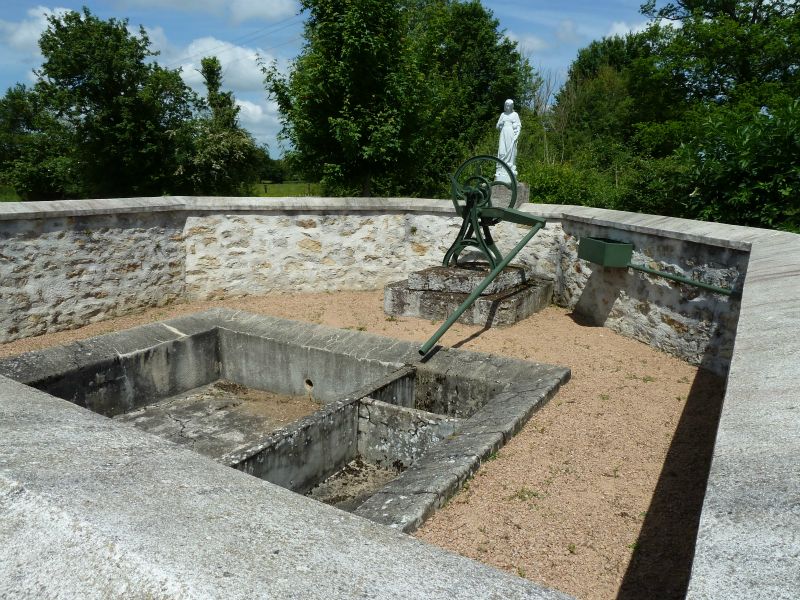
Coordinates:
[352,419]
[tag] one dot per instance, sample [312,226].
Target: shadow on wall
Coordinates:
[598,295]
[662,560]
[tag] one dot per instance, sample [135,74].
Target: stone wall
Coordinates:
[680,319]
[64,264]
[238,254]
[63,272]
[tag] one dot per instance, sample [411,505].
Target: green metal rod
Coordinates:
[426,347]
[679,278]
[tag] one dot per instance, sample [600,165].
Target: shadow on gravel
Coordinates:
[662,560]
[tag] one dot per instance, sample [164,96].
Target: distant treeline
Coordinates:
[697,116]
[102,120]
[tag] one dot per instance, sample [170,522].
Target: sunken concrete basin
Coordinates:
[352,419]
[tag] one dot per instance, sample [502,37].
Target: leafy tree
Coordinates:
[745,168]
[125,113]
[104,120]
[349,104]
[470,68]
[696,119]
[36,148]
[722,45]
[388,96]
[222,158]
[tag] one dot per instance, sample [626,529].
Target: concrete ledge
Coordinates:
[181,526]
[77,208]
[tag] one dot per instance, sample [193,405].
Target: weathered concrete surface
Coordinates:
[305,452]
[465,277]
[92,509]
[353,484]
[503,308]
[220,418]
[264,358]
[436,292]
[397,436]
[748,543]
[276,354]
[118,372]
[515,390]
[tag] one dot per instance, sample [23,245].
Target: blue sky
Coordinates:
[549,32]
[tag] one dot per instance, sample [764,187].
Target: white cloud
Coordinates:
[623,28]
[260,119]
[567,31]
[240,74]
[157,36]
[240,70]
[23,37]
[237,10]
[528,43]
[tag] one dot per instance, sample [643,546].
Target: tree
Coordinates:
[697,118]
[104,120]
[726,46]
[470,68]
[348,106]
[222,158]
[36,148]
[125,113]
[388,96]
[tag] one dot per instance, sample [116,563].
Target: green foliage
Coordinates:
[746,168]
[223,158]
[697,120]
[123,113]
[349,105]
[104,120]
[7,194]
[388,96]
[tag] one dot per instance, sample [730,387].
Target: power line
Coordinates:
[253,36]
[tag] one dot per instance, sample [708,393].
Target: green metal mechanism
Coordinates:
[617,254]
[472,185]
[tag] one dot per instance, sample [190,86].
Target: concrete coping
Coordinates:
[716,234]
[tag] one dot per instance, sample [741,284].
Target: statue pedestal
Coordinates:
[502,196]
[436,292]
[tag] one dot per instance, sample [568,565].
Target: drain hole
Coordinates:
[309,385]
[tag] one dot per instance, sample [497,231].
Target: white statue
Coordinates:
[509,126]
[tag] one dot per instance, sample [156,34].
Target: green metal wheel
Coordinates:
[484,177]
[475,183]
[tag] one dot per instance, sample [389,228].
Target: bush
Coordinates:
[745,169]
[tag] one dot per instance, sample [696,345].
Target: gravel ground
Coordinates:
[598,496]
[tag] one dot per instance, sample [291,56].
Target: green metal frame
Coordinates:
[478,215]
[472,186]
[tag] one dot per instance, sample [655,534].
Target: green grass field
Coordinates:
[7,194]
[273,190]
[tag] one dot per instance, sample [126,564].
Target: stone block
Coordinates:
[465,277]
[502,308]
